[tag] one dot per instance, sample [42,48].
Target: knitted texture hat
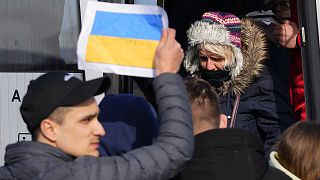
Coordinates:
[215,28]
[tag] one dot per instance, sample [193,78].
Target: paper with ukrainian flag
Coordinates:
[120,38]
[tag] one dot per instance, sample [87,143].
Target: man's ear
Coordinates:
[48,129]
[223,121]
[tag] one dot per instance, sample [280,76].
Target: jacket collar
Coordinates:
[227,138]
[274,156]
[23,150]
[229,150]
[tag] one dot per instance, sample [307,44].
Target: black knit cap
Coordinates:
[55,89]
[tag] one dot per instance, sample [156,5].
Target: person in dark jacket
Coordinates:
[61,113]
[228,53]
[222,153]
[288,36]
[130,121]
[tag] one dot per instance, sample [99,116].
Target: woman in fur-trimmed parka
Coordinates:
[229,54]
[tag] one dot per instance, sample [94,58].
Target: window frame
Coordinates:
[310,53]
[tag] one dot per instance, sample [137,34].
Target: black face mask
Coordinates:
[215,78]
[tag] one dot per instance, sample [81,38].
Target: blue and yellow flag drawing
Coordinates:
[120,38]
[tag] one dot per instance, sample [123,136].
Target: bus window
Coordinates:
[38,35]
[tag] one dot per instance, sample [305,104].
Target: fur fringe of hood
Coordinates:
[254,51]
[205,32]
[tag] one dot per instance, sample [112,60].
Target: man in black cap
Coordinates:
[61,114]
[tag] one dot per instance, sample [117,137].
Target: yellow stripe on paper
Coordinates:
[121,51]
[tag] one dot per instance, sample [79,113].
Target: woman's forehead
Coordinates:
[204,51]
[214,49]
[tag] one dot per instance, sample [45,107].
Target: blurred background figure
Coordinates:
[280,7]
[288,36]
[130,122]
[298,151]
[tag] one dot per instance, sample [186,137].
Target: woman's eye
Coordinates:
[217,59]
[203,58]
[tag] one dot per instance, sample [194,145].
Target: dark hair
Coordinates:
[204,101]
[299,150]
[57,115]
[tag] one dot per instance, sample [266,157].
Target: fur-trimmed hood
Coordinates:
[254,51]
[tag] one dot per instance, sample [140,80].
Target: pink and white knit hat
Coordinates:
[215,28]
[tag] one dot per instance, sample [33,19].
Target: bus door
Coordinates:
[309,20]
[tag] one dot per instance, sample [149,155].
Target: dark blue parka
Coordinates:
[264,108]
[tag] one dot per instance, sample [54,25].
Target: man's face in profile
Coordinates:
[80,131]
